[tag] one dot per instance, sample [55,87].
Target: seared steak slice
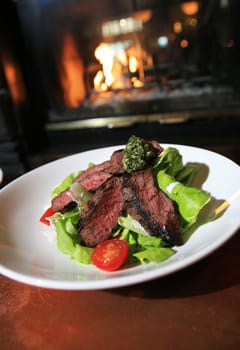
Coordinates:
[154,144]
[93,181]
[151,207]
[90,178]
[116,166]
[61,201]
[101,214]
[90,182]
[93,177]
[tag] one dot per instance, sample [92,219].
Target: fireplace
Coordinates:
[124,64]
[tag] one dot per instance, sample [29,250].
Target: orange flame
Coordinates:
[71,74]
[115,62]
[14,79]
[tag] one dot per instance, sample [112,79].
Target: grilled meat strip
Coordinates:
[114,191]
[101,214]
[151,207]
[92,178]
[136,194]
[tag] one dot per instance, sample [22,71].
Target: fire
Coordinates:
[105,55]
[14,79]
[190,8]
[117,64]
[133,64]
[71,73]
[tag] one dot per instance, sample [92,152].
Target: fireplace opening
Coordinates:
[165,61]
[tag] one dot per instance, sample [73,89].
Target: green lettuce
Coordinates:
[190,200]
[156,255]
[186,174]
[174,179]
[170,160]
[64,185]
[66,182]
[127,222]
[143,248]
[68,241]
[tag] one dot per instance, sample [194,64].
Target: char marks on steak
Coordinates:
[93,177]
[114,191]
[101,214]
[136,194]
[151,207]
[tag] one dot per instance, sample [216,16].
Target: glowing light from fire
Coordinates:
[190,8]
[105,55]
[144,15]
[177,27]
[136,82]
[184,43]
[71,73]
[99,81]
[133,64]
[14,79]
[115,61]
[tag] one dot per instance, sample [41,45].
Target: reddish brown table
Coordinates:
[197,308]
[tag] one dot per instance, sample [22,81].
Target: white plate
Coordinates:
[1,175]
[28,251]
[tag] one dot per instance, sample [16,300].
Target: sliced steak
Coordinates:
[101,214]
[116,166]
[91,179]
[151,207]
[93,170]
[61,201]
[154,144]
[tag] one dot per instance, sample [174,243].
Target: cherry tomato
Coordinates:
[44,218]
[110,255]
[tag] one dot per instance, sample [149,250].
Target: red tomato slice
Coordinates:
[110,255]
[44,218]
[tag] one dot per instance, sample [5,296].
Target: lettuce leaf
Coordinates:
[129,223]
[174,179]
[68,241]
[170,160]
[190,200]
[143,248]
[152,254]
[186,174]
[64,185]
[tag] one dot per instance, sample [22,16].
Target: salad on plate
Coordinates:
[133,208]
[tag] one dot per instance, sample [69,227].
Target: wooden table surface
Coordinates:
[197,308]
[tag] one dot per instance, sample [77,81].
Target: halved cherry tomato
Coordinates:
[110,255]
[44,218]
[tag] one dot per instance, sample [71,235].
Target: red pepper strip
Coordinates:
[44,218]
